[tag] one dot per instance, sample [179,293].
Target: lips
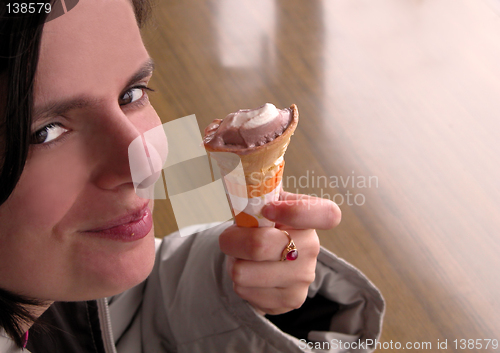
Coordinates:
[132,226]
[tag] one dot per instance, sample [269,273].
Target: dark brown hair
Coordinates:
[20,38]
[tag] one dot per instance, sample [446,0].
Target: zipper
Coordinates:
[105,323]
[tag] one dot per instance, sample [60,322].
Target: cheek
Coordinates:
[48,187]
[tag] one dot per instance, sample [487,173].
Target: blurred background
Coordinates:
[399,124]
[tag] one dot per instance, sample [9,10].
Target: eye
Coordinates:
[133,94]
[48,133]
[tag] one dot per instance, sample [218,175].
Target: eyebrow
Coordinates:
[61,107]
[145,70]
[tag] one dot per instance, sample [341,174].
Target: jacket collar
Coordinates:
[7,345]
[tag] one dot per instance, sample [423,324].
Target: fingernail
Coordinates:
[269,211]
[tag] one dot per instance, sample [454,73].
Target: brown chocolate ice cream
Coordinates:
[247,128]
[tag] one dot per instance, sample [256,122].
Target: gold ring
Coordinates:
[290,252]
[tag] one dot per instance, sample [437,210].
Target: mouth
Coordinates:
[132,226]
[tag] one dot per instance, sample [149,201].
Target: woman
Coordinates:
[72,229]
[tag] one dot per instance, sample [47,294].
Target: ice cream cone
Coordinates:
[259,181]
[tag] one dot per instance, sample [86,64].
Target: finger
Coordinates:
[273,301]
[303,212]
[276,274]
[265,244]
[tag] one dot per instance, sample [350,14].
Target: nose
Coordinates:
[147,154]
[128,152]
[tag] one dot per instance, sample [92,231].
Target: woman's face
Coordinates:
[74,229]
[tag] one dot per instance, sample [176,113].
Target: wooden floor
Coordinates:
[400,123]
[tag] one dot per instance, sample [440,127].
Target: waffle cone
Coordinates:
[262,173]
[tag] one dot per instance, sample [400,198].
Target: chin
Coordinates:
[114,271]
[134,267]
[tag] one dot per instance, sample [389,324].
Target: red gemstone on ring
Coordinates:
[292,255]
